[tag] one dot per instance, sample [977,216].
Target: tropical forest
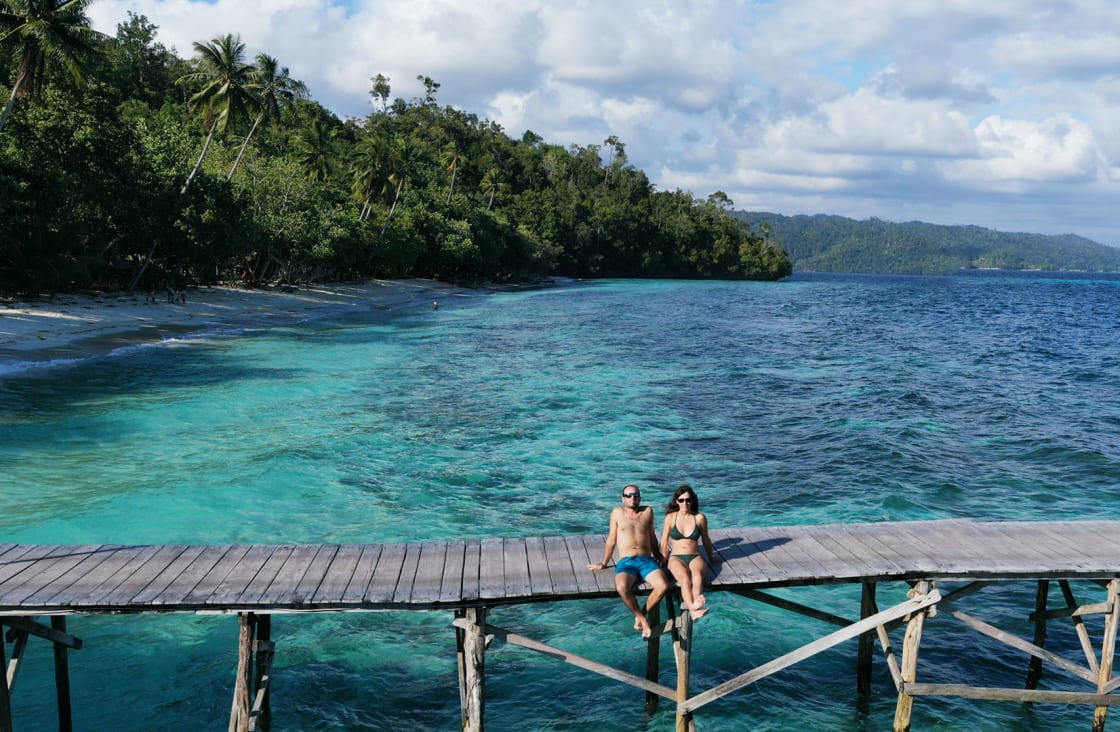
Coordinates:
[124,166]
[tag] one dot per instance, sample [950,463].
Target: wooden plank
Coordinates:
[428,582]
[241,575]
[734,569]
[573,659]
[109,591]
[338,575]
[808,650]
[909,549]
[869,539]
[472,567]
[451,583]
[25,559]
[590,550]
[540,573]
[212,580]
[409,566]
[183,584]
[256,588]
[282,590]
[58,562]
[315,575]
[862,561]
[99,580]
[163,580]
[142,576]
[58,591]
[1014,695]
[568,578]
[384,581]
[516,568]
[363,574]
[492,570]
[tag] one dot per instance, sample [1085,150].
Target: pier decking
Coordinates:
[469,577]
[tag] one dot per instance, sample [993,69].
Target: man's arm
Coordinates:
[656,547]
[608,547]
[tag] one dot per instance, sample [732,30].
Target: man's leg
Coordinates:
[624,583]
[659,584]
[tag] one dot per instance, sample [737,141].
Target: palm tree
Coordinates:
[451,159]
[44,35]
[274,86]
[491,184]
[369,169]
[226,93]
[313,146]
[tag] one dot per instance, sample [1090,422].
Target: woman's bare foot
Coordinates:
[698,603]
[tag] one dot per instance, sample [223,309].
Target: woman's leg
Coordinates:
[683,576]
[696,570]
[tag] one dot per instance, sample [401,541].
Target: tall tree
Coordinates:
[274,86]
[380,91]
[313,148]
[451,158]
[45,35]
[226,83]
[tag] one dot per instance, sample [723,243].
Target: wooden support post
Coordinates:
[682,651]
[242,697]
[5,696]
[910,645]
[1034,672]
[263,683]
[62,677]
[472,667]
[653,652]
[866,641]
[1108,651]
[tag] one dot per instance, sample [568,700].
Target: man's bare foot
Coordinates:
[641,624]
[697,614]
[698,603]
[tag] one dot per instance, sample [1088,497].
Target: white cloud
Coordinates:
[859,108]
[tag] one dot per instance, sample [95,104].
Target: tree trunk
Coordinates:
[396,197]
[491,201]
[11,101]
[452,188]
[198,165]
[144,268]
[244,145]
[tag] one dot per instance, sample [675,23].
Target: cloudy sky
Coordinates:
[1001,114]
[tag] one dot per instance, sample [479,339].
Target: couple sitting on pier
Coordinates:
[640,557]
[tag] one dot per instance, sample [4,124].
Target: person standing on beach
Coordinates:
[631,530]
[687,527]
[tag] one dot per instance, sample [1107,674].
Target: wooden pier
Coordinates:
[41,585]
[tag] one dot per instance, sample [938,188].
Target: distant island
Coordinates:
[823,243]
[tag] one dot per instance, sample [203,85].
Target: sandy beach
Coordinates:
[70,327]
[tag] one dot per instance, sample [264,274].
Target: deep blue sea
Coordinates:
[819,399]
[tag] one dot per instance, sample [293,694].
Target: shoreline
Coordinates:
[69,328]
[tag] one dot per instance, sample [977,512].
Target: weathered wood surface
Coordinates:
[38,579]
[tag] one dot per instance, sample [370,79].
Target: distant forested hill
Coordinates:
[836,244]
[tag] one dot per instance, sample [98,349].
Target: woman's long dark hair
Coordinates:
[694,503]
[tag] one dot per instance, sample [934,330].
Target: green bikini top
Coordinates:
[675,533]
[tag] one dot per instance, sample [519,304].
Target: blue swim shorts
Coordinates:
[639,566]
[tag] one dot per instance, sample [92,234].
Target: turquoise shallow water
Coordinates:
[821,399]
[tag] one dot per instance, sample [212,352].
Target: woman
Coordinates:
[687,527]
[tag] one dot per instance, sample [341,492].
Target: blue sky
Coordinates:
[1004,115]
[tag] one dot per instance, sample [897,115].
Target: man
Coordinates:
[638,556]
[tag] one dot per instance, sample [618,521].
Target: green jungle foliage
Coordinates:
[837,244]
[124,166]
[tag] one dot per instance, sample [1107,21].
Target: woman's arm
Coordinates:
[665,537]
[702,522]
